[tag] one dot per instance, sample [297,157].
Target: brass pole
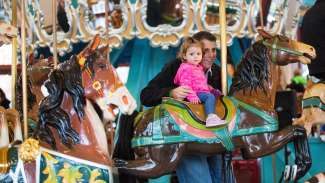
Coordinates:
[261,13]
[111,129]
[55,55]
[223,43]
[14,55]
[24,66]
[107,16]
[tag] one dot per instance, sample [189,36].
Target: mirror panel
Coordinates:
[85,18]
[208,18]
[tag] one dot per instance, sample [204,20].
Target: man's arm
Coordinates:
[160,85]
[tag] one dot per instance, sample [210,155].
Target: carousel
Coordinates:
[73,71]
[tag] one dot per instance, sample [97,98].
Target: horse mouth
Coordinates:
[113,109]
[309,56]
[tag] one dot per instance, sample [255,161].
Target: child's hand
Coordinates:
[210,87]
[195,101]
[216,92]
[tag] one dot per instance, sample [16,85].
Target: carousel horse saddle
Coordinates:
[197,110]
[192,117]
[313,96]
[185,122]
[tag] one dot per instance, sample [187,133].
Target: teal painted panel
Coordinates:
[162,179]
[308,3]
[57,169]
[317,148]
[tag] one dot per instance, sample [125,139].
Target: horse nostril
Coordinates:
[125,100]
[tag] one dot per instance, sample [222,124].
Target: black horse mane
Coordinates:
[66,78]
[31,97]
[253,71]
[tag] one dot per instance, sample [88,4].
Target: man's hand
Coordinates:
[180,92]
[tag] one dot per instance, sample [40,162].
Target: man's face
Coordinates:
[210,53]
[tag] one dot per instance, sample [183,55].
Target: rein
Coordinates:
[274,46]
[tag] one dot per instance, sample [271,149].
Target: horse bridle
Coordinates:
[274,46]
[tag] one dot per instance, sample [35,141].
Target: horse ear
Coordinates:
[107,51]
[95,43]
[264,34]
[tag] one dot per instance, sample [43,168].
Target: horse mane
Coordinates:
[253,71]
[31,97]
[66,78]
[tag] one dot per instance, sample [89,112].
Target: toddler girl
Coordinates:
[191,74]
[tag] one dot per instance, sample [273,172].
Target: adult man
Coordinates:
[314,35]
[194,168]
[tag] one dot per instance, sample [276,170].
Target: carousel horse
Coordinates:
[10,136]
[37,74]
[68,121]
[163,134]
[313,106]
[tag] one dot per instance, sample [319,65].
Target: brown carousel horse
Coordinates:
[313,106]
[68,120]
[37,74]
[162,135]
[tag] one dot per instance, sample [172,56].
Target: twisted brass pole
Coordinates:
[13,55]
[24,66]
[223,45]
[55,56]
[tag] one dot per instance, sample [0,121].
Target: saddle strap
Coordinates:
[313,102]
[156,132]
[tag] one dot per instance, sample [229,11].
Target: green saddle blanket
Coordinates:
[188,120]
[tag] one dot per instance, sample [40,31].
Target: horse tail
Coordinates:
[123,149]
[319,178]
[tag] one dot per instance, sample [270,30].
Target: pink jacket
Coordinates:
[192,76]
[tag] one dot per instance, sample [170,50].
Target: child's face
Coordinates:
[193,55]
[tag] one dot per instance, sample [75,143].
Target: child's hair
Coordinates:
[187,43]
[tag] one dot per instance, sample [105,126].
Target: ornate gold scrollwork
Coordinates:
[121,24]
[81,22]
[277,16]
[163,22]
[176,21]
[207,17]
[36,19]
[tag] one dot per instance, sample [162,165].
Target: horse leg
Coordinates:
[158,160]
[265,144]
[228,173]
[303,159]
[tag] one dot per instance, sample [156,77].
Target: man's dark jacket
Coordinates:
[313,33]
[163,83]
